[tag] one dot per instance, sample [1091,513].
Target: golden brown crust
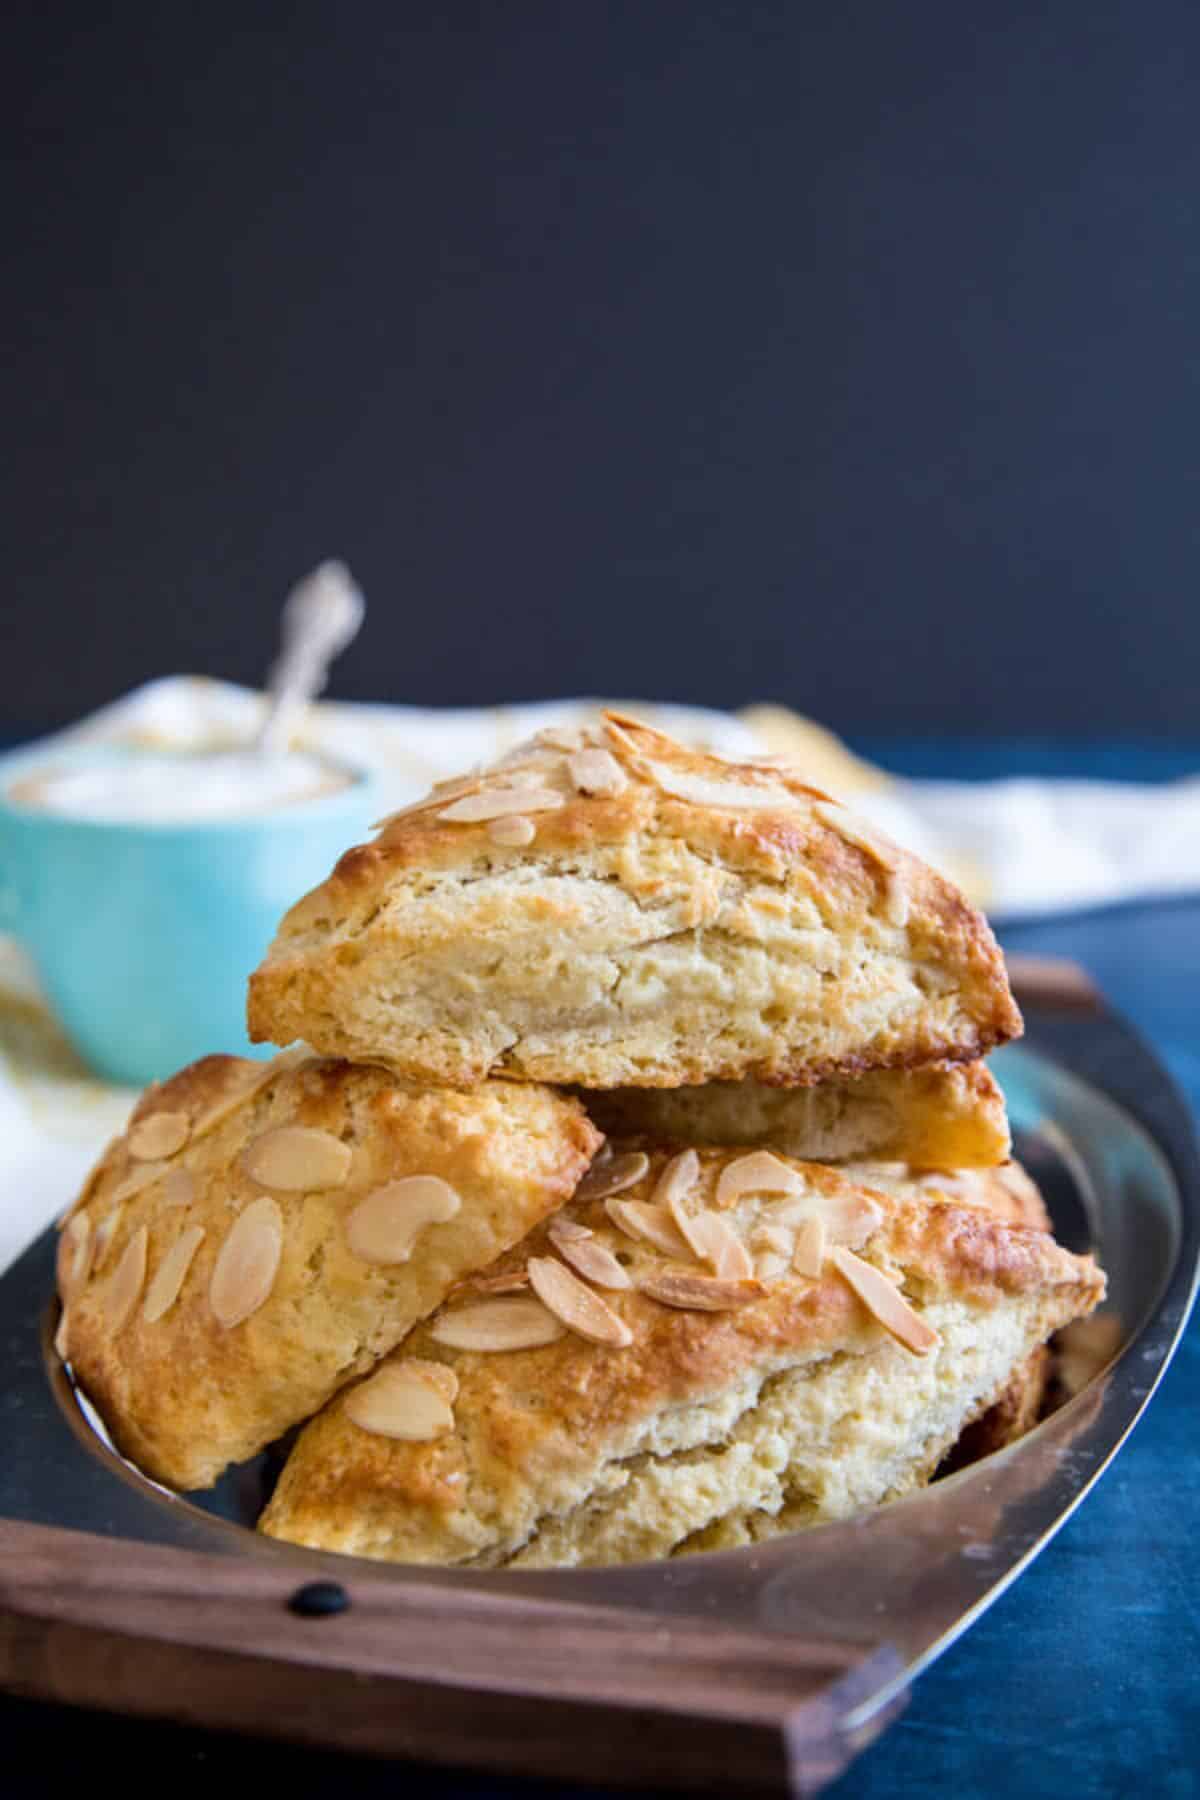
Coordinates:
[662,935]
[183,1394]
[541,1435]
[948,1116]
[1007,1191]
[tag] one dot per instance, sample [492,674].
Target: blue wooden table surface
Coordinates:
[1084,1679]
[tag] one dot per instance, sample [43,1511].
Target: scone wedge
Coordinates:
[946,1116]
[614,910]
[260,1235]
[722,1345]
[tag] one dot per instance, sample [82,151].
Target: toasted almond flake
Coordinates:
[896,902]
[405,1400]
[641,1219]
[125,1282]
[698,1293]
[74,1257]
[595,1262]
[702,790]
[260,1076]
[560,737]
[575,1304]
[858,832]
[247,1263]
[758,1173]
[773,1237]
[171,1273]
[770,1266]
[848,1218]
[809,1253]
[612,1176]
[881,1299]
[714,1239]
[512,831]
[106,1232]
[510,1282]
[159,1134]
[144,1176]
[62,1336]
[678,1178]
[384,1227]
[519,1323]
[597,772]
[179,1188]
[297,1159]
[569,1230]
[499,802]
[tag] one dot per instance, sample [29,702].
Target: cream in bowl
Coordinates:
[145,884]
[157,787]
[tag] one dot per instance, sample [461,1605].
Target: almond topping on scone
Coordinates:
[384,1227]
[247,1263]
[575,1304]
[412,1400]
[157,1135]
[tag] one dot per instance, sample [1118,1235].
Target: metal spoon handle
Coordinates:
[320,617]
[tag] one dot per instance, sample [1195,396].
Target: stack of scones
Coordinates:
[634,1185]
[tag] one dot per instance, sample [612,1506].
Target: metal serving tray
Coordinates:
[759,1670]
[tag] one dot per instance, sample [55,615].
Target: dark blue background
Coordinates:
[845,355]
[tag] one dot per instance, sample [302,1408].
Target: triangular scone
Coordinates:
[723,1382]
[946,1116]
[615,910]
[260,1235]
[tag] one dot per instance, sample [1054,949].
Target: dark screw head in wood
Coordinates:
[319,1600]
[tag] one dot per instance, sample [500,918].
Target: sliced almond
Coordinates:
[809,1253]
[882,1300]
[405,1400]
[62,1335]
[297,1159]
[179,1188]
[770,1266]
[714,1239]
[159,1134]
[678,1179]
[597,772]
[575,1304]
[698,1293]
[247,1263]
[384,1227]
[561,737]
[848,1218]
[702,790]
[569,1231]
[758,1173]
[612,1176]
[513,831]
[641,1219]
[171,1273]
[591,1260]
[144,1176]
[504,1324]
[261,1076]
[499,802]
[896,900]
[125,1282]
[858,832]
[510,1282]
[106,1232]
[774,1238]
[74,1256]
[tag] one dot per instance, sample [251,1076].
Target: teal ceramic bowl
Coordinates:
[143,934]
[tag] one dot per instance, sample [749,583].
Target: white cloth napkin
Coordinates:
[1021,847]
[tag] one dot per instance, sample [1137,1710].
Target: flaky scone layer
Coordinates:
[797,1400]
[948,1116]
[189,1391]
[640,915]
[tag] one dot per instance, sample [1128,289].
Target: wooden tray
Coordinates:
[752,1671]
